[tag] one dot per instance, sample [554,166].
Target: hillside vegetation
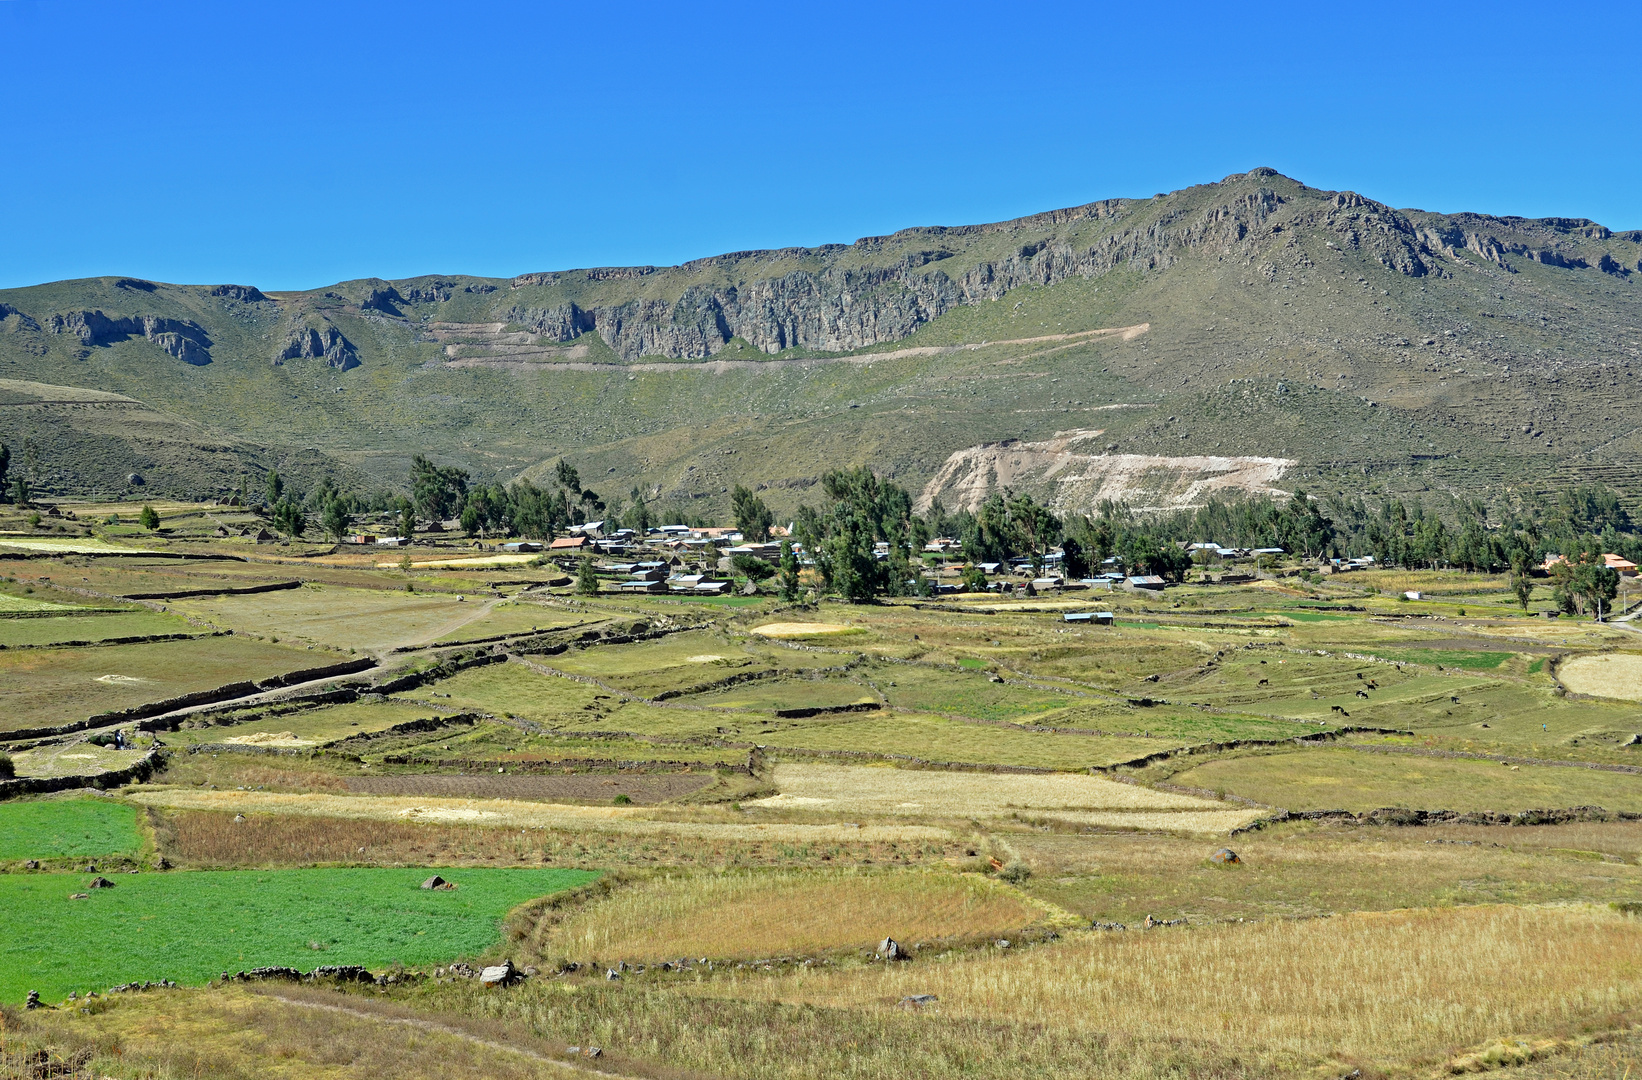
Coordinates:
[1264,333]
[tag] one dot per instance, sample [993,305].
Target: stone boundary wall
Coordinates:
[141,769]
[244,590]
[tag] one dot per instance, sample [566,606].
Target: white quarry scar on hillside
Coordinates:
[1082,480]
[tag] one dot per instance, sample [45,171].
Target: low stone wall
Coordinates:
[142,769]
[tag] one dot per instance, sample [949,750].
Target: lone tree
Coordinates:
[789,572]
[1522,583]
[587,579]
[289,518]
[149,518]
[5,467]
[334,519]
[752,517]
[275,487]
[407,519]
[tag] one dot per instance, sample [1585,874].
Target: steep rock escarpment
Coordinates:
[183,339]
[318,339]
[839,300]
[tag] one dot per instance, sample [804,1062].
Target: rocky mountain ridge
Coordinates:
[1369,346]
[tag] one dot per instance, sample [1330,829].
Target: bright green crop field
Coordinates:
[191,927]
[66,827]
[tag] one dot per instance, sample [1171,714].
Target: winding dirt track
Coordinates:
[442,1029]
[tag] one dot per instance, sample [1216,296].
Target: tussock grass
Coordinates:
[747,915]
[1374,987]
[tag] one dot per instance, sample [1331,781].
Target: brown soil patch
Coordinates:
[643,790]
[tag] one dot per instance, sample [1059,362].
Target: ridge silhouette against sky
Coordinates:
[305,143]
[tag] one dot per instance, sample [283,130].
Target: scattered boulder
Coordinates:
[100,882]
[503,974]
[79,896]
[32,864]
[890,949]
[1225,855]
[918,1001]
[33,1001]
[437,882]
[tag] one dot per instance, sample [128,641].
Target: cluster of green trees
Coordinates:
[861,510]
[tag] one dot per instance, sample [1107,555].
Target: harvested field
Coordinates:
[368,620]
[511,812]
[54,686]
[1614,675]
[201,839]
[305,727]
[282,1031]
[917,792]
[763,914]
[643,790]
[1416,986]
[74,759]
[1306,871]
[1357,780]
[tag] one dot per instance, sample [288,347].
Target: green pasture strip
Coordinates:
[773,694]
[313,726]
[77,627]
[193,926]
[951,741]
[1188,726]
[10,603]
[53,828]
[1460,658]
[946,691]
[501,742]
[1343,779]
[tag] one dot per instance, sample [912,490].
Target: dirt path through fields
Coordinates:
[442,1029]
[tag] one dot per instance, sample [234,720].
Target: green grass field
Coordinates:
[193,926]
[308,727]
[52,828]
[363,619]
[76,627]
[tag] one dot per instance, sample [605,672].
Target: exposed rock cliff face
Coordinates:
[837,308]
[318,340]
[185,340]
[247,294]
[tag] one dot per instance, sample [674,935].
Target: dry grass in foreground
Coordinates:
[1383,988]
[740,916]
[301,1033]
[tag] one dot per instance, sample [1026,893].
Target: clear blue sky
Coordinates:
[295,144]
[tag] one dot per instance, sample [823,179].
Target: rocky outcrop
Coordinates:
[245,294]
[185,340]
[318,340]
[14,320]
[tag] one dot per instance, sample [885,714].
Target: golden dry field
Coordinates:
[768,791]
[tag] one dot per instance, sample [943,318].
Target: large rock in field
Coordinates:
[890,949]
[1225,855]
[437,882]
[100,882]
[500,974]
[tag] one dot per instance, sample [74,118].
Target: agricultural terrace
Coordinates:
[696,821]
